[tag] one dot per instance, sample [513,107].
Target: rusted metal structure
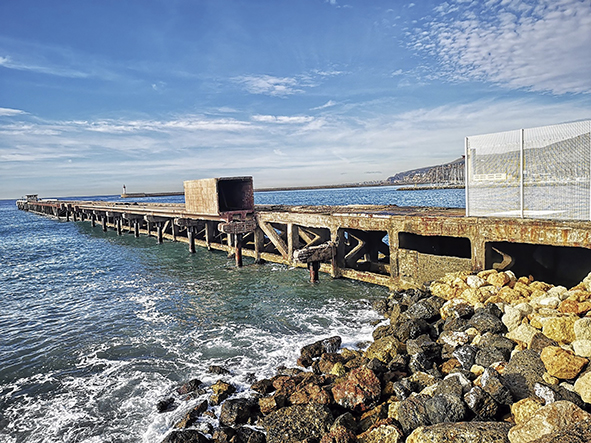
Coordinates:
[386,245]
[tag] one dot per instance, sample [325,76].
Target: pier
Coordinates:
[386,245]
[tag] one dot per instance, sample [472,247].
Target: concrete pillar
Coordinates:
[159,232]
[191,236]
[313,267]
[93,220]
[238,249]
[208,234]
[118,223]
[104,222]
[259,239]
[136,228]
[293,240]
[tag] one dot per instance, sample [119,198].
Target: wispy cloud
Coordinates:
[7,112]
[538,45]
[9,63]
[269,85]
[328,104]
[282,119]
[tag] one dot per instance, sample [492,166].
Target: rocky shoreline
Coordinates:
[476,358]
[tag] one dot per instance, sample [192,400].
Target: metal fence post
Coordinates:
[521,170]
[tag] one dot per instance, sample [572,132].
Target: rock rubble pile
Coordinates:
[476,358]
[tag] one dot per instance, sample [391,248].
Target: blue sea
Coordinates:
[96,328]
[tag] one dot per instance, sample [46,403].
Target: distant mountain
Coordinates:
[448,173]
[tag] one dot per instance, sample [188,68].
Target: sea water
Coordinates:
[96,328]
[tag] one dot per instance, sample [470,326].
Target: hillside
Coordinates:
[448,173]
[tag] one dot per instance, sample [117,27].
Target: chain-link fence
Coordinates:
[531,173]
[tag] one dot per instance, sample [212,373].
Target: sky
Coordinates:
[149,93]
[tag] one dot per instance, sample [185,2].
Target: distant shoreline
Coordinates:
[403,187]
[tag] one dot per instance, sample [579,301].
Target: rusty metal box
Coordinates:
[219,196]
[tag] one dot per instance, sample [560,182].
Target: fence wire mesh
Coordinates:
[533,173]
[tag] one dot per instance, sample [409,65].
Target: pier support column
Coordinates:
[313,267]
[208,234]
[75,216]
[259,240]
[136,228]
[104,222]
[293,240]
[159,232]
[191,236]
[67,215]
[230,245]
[118,222]
[238,249]
[175,231]
[149,228]
[93,220]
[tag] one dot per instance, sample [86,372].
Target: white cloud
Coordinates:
[269,85]
[7,112]
[328,104]
[282,119]
[159,154]
[535,45]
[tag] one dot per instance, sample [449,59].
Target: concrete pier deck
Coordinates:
[386,245]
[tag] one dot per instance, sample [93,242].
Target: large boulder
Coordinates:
[548,420]
[238,411]
[561,363]
[472,432]
[359,390]
[295,423]
[186,436]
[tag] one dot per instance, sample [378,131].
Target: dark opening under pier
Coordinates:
[386,245]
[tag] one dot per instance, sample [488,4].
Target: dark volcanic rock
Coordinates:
[186,436]
[189,386]
[165,405]
[445,408]
[551,394]
[412,413]
[539,341]
[359,391]
[486,322]
[470,432]
[502,344]
[264,386]
[296,423]
[487,356]
[421,363]
[339,434]
[191,417]
[248,435]
[238,411]
[523,371]
[410,329]
[466,355]
[481,403]
[455,324]
[424,344]
[422,310]
[494,384]
[219,370]
[314,350]
[449,386]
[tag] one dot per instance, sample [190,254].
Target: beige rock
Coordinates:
[442,290]
[523,333]
[512,317]
[540,286]
[522,288]
[463,432]
[545,302]
[582,348]
[477,370]
[560,329]
[510,295]
[525,308]
[487,273]
[582,328]
[393,409]
[475,282]
[474,296]
[547,420]
[561,363]
[557,291]
[499,279]
[583,387]
[338,369]
[524,409]
[551,380]
[587,282]
[385,432]
[449,306]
